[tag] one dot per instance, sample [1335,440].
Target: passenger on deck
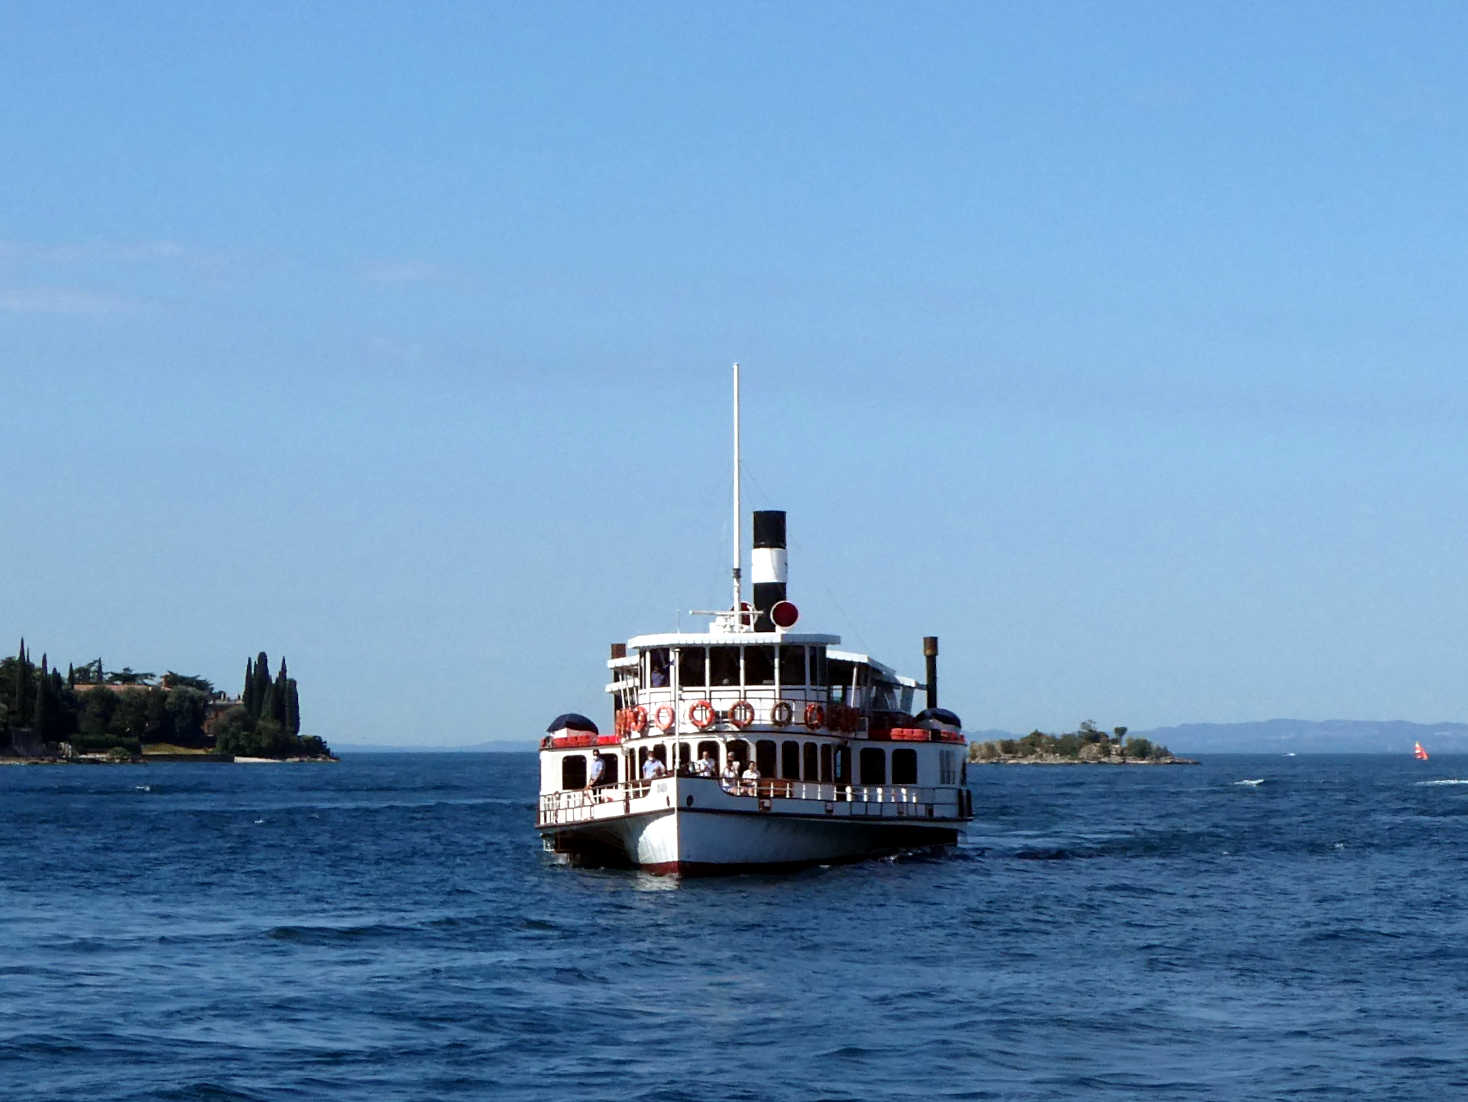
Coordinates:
[653,767]
[750,777]
[598,770]
[730,776]
[705,766]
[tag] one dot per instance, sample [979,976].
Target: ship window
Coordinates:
[826,773]
[907,699]
[873,764]
[759,665]
[790,760]
[685,756]
[708,748]
[843,765]
[811,771]
[739,751]
[573,771]
[840,674]
[817,666]
[647,752]
[723,665]
[904,766]
[691,668]
[948,767]
[657,667]
[764,757]
[609,772]
[792,665]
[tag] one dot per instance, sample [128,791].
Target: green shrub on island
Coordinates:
[240,735]
[101,744]
[1086,744]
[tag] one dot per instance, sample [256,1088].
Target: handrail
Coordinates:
[776,788]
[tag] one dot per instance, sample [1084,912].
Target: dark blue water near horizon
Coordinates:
[388,928]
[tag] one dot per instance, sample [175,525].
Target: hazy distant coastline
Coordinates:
[1273,736]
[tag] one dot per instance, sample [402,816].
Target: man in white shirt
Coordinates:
[750,777]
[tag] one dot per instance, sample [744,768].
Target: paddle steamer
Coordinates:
[842,768]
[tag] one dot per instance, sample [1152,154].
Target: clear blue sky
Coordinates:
[1119,345]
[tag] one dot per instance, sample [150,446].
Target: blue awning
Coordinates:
[935,717]
[572,721]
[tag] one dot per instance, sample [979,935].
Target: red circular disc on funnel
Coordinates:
[784,614]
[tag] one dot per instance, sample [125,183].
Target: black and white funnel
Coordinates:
[769,570]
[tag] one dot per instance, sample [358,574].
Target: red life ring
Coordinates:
[815,716]
[781,714]
[701,714]
[619,721]
[742,714]
[664,717]
[638,721]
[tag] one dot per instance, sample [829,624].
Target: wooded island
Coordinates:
[1089,745]
[92,714]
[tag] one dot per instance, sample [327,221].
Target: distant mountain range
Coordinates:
[495,746]
[1271,736]
[1330,736]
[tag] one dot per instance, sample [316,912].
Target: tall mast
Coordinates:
[738,619]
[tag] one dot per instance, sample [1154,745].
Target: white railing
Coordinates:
[580,805]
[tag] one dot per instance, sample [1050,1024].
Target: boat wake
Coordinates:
[1252,782]
[1438,783]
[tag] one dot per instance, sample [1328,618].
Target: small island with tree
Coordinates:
[1089,745]
[93,714]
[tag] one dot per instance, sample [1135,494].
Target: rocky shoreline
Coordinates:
[159,759]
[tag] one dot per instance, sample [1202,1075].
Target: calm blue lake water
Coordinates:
[389,928]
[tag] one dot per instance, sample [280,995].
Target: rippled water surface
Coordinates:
[388,928]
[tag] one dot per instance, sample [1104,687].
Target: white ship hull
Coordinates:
[687,826]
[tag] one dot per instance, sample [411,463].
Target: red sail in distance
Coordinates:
[1419,753]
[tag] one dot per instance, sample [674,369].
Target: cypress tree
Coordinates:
[61,707]
[267,701]
[262,684]
[292,708]
[247,695]
[278,695]
[41,713]
[22,684]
